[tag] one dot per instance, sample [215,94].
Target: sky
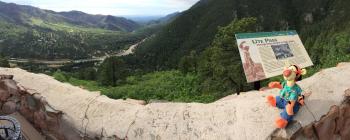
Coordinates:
[112,7]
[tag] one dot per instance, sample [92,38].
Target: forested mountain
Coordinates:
[194,29]
[28,15]
[101,21]
[29,32]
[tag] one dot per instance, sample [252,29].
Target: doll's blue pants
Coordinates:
[281,104]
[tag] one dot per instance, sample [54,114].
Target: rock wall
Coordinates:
[33,107]
[63,111]
[334,125]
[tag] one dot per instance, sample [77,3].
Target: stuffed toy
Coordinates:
[290,98]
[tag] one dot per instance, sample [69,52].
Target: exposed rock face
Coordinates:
[32,106]
[334,125]
[68,112]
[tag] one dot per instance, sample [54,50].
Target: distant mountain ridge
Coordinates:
[166,19]
[23,15]
[102,21]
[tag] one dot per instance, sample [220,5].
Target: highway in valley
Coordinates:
[62,62]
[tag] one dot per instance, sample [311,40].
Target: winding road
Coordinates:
[130,50]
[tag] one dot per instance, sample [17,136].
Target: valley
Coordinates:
[62,62]
[37,34]
[188,56]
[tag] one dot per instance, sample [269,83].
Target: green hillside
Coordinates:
[195,29]
[60,41]
[33,33]
[23,15]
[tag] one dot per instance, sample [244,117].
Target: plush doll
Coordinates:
[290,98]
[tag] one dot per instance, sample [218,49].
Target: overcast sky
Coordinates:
[112,7]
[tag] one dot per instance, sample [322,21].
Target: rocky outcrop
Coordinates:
[32,106]
[334,125]
[82,113]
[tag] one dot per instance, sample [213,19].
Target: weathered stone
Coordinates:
[8,88]
[347,92]
[246,116]
[309,132]
[344,125]
[286,133]
[140,102]
[8,107]
[6,77]
[326,127]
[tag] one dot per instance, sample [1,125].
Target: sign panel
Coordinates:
[265,54]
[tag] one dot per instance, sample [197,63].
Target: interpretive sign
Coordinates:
[265,54]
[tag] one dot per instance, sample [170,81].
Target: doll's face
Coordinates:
[289,73]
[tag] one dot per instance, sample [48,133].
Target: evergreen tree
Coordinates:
[112,71]
[188,63]
[220,65]
[4,62]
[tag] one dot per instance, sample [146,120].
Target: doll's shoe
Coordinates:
[281,123]
[271,100]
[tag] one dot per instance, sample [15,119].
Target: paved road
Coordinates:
[68,61]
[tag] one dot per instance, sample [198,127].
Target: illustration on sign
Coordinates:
[253,69]
[265,54]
